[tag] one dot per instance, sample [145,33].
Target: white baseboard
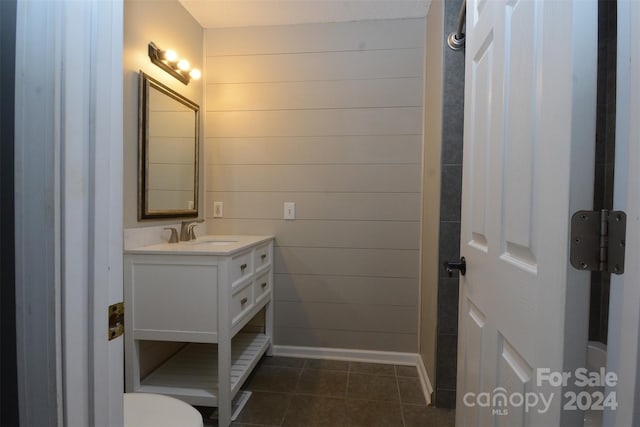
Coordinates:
[386,357]
[427,388]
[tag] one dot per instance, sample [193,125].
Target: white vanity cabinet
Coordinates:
[201,293]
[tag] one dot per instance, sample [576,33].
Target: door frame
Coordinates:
[623,354]
[68,190]
[8,376]
[36,213]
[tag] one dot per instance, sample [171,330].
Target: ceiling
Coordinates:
[245,13]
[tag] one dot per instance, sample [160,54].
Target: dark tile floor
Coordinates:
[292,392]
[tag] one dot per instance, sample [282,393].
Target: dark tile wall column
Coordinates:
[450,197]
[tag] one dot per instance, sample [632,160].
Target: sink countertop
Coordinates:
[204,245]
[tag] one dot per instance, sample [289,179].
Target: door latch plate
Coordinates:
[116,320]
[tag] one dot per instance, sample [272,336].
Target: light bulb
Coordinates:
[170,55]
[183,64]
[195,74]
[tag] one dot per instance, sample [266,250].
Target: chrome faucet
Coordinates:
[187,230]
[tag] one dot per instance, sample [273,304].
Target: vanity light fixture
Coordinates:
[168,60]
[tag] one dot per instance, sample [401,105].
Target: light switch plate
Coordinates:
[289,210]
[217,209]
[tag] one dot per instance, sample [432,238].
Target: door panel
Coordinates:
[472,327]
[514,374]
[527,167]
[481,99]
[519,144]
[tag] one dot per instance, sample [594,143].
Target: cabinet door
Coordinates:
[173,299]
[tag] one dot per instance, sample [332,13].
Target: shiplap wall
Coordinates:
[328,116]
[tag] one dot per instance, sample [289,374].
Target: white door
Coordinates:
[90,195]
[530,99]
[92,218]
[105,209]
[69,58]
[624,309]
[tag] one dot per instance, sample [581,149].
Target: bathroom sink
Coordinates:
[212,242]
[208,244]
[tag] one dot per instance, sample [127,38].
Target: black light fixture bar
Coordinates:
[157,56]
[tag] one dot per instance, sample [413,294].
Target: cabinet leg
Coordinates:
[224,414]
[224,383]
[268,324]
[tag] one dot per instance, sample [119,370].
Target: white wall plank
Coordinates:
[329,234]
[346,289]
[365,35]
[347,121]
[347,317]
[339,65]
[347,262]
[391,92]
[327,206]
[319,150]
[331,178]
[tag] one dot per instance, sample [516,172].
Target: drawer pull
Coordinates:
[264,285]
[243,267]
[243,301]
[263,256]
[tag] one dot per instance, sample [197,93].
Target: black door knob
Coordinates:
[461,266]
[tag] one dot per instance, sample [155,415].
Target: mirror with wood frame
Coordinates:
[168,125]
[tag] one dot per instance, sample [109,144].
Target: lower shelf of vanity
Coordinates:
[192,373]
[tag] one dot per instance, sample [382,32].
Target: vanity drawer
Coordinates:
[241,302]
[262,256]
[262,286]
[241,267]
